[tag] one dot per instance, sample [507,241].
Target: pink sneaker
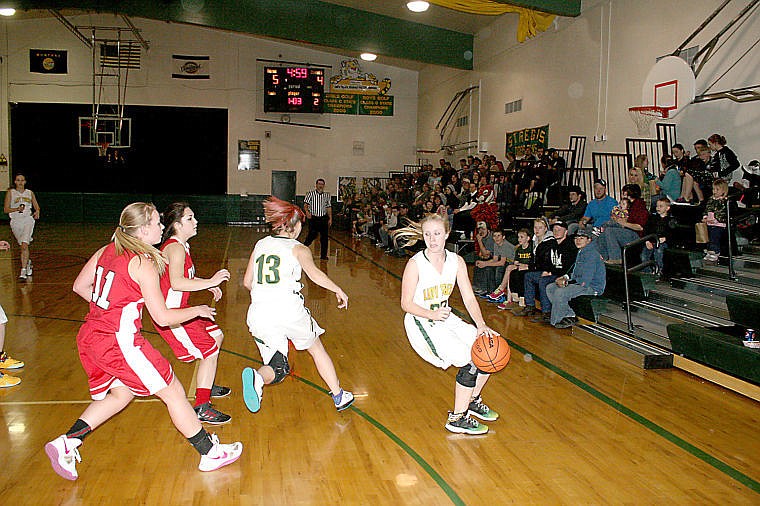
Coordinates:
[504,305]
[63,454]
[220,455]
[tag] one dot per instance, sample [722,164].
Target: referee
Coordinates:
[316,205]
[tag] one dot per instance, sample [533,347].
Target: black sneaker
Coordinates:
[479,409]
[461,423]
[208,414]
[217,392]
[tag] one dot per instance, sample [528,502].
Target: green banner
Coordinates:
[518,140]
[341,103]
[375,105]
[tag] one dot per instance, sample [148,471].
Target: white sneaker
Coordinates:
[22,274]
[64,456]
[345,399]
[220,455]
[29,268]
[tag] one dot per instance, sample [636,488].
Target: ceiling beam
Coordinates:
[310,21]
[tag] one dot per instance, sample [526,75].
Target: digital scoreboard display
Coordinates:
[294,89]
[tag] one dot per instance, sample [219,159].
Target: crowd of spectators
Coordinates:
[482,196]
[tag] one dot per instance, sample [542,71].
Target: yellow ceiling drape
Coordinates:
[530,23]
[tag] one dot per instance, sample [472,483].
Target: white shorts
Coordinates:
[23,227]
[442,343]
[3,318]
[271,330]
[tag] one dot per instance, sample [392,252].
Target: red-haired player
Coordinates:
[277,312]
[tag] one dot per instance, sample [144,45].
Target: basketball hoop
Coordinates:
[644,115]
[103,149]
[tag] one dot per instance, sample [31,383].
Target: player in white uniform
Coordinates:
[437,335]
[19,202]
[277,313]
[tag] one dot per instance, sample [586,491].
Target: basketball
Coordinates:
[490,353]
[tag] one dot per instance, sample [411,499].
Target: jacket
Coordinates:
[589,269]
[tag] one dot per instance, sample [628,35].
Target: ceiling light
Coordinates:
[368,56]
[417,6]
[7,12]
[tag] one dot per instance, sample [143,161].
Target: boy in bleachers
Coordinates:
[661,223]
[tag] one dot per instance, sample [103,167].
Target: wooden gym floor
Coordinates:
[577,426]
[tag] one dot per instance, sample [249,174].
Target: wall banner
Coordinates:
[518,140]
[249,153]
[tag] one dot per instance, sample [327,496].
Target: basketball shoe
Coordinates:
[207,414]
[8,381]
[63,454]
[22,274]
[29,267]
[7,362]
[461,423]
[220,455]
[479,409]
[343,400]
[217,392]
[253,389]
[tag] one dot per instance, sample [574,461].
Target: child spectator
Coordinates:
[716,218]
[512,283]
[661,223]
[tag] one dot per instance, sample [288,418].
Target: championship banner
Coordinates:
[191,67]
[48,61]
[341,103]
[380,105]
[518,140]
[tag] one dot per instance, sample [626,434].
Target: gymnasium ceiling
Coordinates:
[440,36]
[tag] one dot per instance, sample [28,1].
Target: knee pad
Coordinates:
[467,375]
[279,364]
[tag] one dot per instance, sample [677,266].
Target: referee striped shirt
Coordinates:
[318,202]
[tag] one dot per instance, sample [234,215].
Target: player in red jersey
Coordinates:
[117,281]
[199,338]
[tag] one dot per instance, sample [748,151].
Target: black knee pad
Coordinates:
[467,375]
[280,365]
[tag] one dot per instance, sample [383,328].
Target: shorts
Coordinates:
[272,332]
[3,318]
[112,360]
[192,340]
[442,343]
[23,228]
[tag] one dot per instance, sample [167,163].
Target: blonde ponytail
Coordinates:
[133,217]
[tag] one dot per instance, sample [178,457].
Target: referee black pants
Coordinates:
[318,225]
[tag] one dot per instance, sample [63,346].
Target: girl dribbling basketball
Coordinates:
[437,335]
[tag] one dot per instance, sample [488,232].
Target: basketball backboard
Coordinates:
[670,85]
[105,129]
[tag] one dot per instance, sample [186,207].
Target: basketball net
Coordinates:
[644,115]
[103,149]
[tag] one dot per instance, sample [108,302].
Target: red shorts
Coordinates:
[192,340]
[118,359]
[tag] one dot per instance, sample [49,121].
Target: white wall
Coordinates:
[235,86]
[557,75]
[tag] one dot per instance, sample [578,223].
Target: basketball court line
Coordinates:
[705,457]
[437,478]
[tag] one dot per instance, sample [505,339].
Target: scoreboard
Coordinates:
[294,89]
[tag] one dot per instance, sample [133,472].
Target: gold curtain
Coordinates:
[530,23]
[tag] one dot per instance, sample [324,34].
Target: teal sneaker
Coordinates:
[461,423]
[482,411]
